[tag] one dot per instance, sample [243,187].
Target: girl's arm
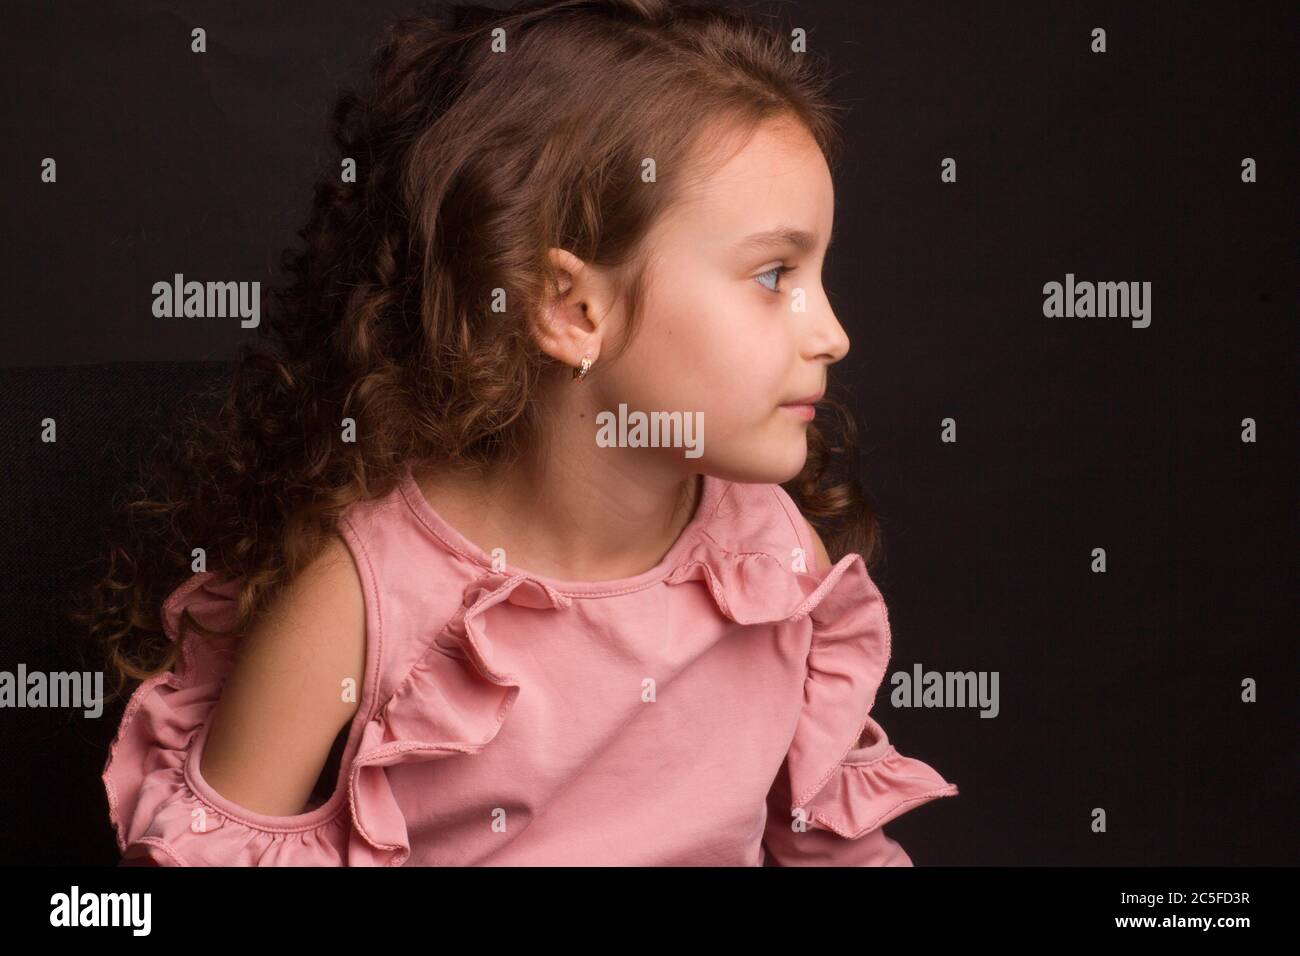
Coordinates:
[283,704]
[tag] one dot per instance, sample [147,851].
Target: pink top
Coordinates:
[701,713]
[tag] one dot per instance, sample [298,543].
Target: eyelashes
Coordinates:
[777,272]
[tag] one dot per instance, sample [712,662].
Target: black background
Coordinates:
[1118,690]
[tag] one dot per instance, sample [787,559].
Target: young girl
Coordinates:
[436,597]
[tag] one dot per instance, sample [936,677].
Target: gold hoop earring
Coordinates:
[580,373]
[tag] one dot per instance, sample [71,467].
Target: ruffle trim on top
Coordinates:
[161,806]
[843,772]
[451,710]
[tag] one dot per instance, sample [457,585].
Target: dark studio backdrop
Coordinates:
[1002,447]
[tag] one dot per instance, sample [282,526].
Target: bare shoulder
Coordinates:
[297,680]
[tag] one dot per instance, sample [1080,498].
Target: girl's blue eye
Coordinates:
[776,272]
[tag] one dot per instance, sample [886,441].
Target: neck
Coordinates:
[581,513]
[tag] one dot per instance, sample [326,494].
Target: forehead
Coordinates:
[779,177]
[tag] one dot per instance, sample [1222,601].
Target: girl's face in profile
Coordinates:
[735,326]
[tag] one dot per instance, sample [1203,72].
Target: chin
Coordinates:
[769,469]
[789,458]
[789,472]
[763,455]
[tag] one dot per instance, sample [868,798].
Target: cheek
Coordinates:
[710,348]
[746,352]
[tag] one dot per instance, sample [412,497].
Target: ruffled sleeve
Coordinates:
[842,825]
[452,701]
[841,779]
[163,811]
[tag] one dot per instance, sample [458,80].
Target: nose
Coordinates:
[827,339]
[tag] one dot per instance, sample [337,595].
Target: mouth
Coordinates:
[805,402]
[804,408]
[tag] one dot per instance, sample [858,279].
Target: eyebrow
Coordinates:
[779,237]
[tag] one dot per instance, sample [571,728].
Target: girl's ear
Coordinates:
[571,320]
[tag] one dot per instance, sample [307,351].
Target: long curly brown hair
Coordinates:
[469,165]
